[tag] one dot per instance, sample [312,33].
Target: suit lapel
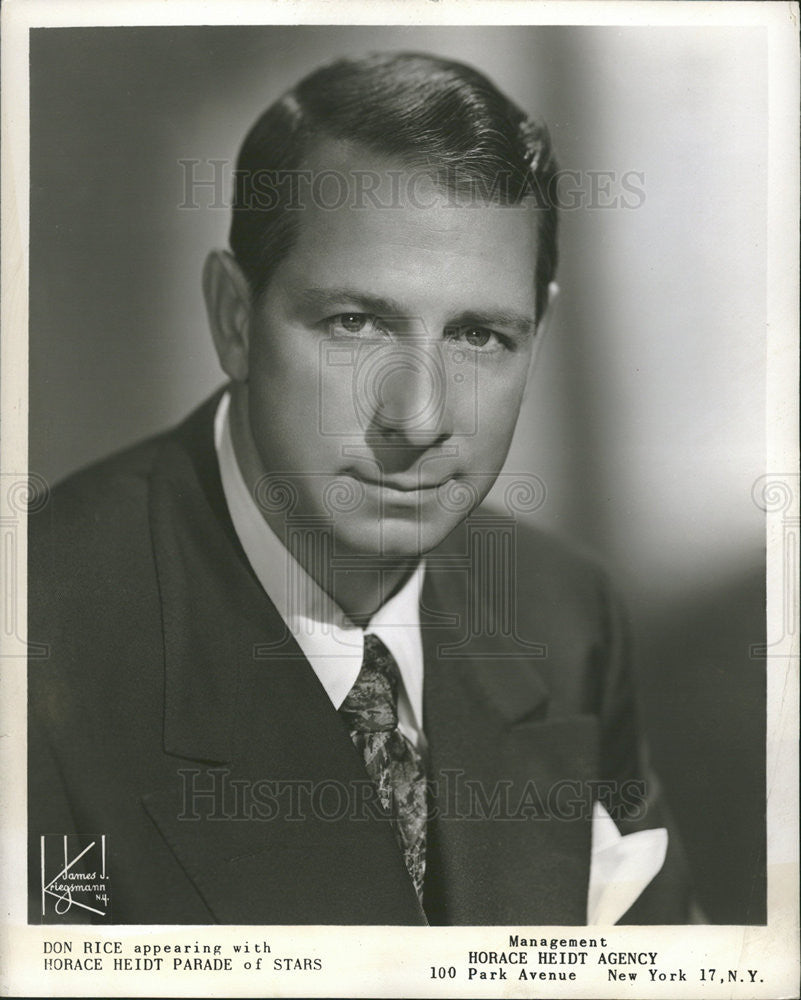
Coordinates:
[510,834]
[259,798]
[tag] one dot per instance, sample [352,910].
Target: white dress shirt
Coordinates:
[620,867]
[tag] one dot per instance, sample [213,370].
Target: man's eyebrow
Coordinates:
[385,308]
[315,298]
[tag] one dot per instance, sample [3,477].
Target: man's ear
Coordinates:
[227,296]
[544,324]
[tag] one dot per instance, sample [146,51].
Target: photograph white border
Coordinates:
[394,961]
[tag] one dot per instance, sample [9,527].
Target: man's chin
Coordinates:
[392,538]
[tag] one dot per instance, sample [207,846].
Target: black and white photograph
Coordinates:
[401,516]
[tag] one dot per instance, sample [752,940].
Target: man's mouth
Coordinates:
[399,484]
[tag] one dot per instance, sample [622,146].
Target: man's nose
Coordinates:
[408,394]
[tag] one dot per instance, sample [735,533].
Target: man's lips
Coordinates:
[397,483]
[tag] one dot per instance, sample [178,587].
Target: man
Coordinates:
[295,674]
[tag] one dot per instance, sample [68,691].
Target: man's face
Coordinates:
[386,364]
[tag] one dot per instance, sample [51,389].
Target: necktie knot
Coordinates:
[372,703]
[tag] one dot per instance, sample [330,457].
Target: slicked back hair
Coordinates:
[432,114]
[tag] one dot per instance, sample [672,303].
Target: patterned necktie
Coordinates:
[370,712]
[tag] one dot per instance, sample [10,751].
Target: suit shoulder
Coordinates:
[545,572]
[91,532]
[98,499]
[546,552]
[123,470]
[564,576]
[542,557]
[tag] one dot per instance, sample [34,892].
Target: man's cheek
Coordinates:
[338,410]
[492,431]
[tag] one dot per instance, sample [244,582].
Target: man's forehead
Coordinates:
[365,213]
[440,259]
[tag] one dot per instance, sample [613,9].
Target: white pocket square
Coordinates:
[621,867]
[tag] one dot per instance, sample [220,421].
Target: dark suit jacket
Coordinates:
[168,669]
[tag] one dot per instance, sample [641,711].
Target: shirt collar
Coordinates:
[333,645]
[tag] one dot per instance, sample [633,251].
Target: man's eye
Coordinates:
[477,337]
[355,324]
